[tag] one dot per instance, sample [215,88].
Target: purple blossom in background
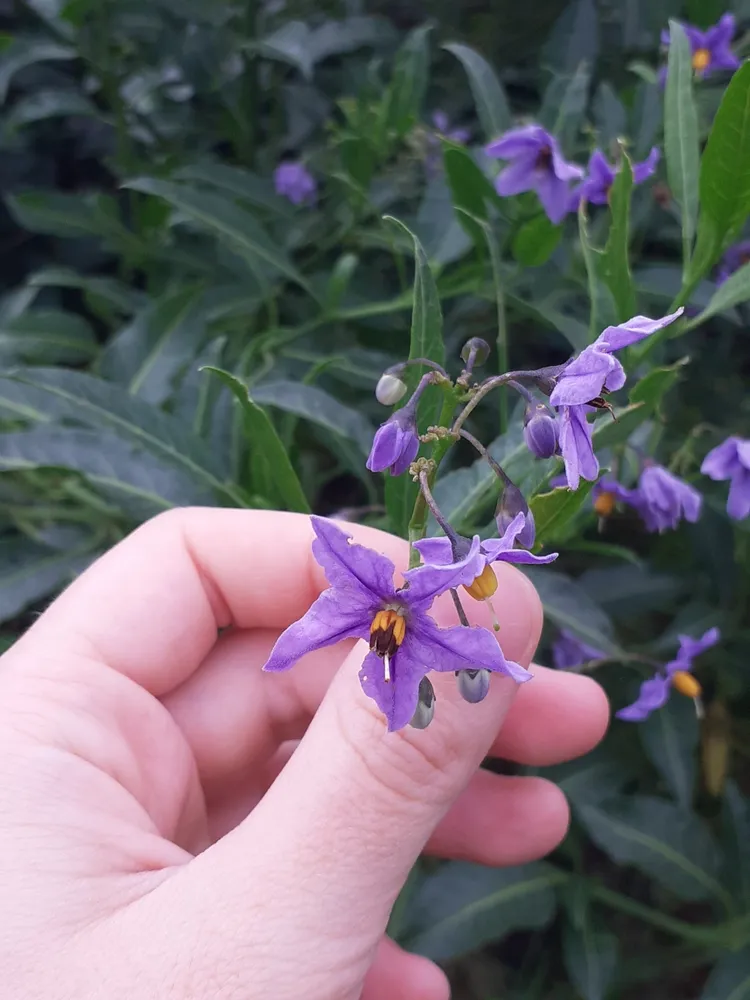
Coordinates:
[396,443]
[600,177]
[733,260]
[439,551]
[655,692]
[662,499]
[535,163]
[731,460]
[294,181]
[363,603]
[569,651]
[443,129]
[711,48]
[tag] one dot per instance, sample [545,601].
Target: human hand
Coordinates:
[158,839]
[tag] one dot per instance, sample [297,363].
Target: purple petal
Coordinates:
[409,451]
[616,378]
[724,461]
[622,493]
[440,120]
[690,647]
[697,38]
[562,169]
[554,195]
[738,502]
[570,651]
[331,618]
[502,550]
[425,583]
[365,576]
[396,443]
[722,57]
[721,33]
[396,699]
[583,379]
[528,139]
[667,498]
[653,694]
[599,169]
[459,648]
[648,167]
[516,178]
[576,446]
[434,551]
[522,557]
[614,338]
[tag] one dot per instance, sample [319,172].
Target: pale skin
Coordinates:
[177,825]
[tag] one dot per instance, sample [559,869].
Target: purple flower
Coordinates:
[732,261]
[396,442]
[405,643]
[710,48]
[294,181]
[584,378]
[510,505]
[577,446]
[540,431]
[731,460]
[675,674]
[535,164]
[569,651]
[443,126]
[601,175]
[662,499]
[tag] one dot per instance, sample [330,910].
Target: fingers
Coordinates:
[397,975]
[151,607]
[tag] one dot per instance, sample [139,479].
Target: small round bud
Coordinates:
[473,685]
[390,389]
[478,347]
[540,431]
[425,709]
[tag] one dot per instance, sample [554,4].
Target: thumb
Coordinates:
[330,845]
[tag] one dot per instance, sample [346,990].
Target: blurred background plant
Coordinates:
[143,238]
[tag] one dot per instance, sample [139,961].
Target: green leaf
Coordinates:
[574,38]
[47,335]
[725,173]
[489,96]
[570,98]
[29,572]
[265,444]
[470,189]
[426,341]
[150,352]
[589,953]
[234,226]
[736,843]
[681,135]
[603,310]
[44,104]
[68,215]
[610,115]
[729,979]
[408,84]
[651,389]
[255,190]
[615,262]
[670,738]
[608,433]
[319,407]
[661,839]
[339,281]
[536,241]
[730,293]
[554,513]
[568,606]
[120,296]
[23,52]
[95,403]
[464,906]
[136,480]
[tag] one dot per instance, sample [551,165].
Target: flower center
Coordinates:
[387,632]
[544,159]
[484,585]
[686,684]
[701,60]
[605,504]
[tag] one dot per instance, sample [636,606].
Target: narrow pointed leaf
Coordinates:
[489,96]
[616,263]
[681,135]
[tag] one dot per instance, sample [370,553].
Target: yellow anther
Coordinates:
[701,60]
[387,632]
[484,585]
[686,684]
[604,504]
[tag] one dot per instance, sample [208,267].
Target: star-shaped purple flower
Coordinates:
[600,177]
[731,460]
[294,181]
[663,499]
[569,651]
[711,48]
[535,163]
[405,643]
[732,261]
[677,673]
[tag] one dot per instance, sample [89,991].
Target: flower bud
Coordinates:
[510,505]
[425,709]
[540,431]
[478,347]
[473,685]
[390,388]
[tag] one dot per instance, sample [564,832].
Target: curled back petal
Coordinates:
[646,169]
[364,575]
[583,379]
[723,461]
[516,142]
[330,619]
[576,446]
[738,502]
[653,694]
[459,648]
[690,648]
[425,583]
[434,551]
[614,338]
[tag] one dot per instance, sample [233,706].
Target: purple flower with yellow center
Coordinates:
[731,460]
[675,674]
[478,577]
[294,182]
[535,163]
[711,48]
[732,261]
[405,643]
[568,651]
[600,177]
